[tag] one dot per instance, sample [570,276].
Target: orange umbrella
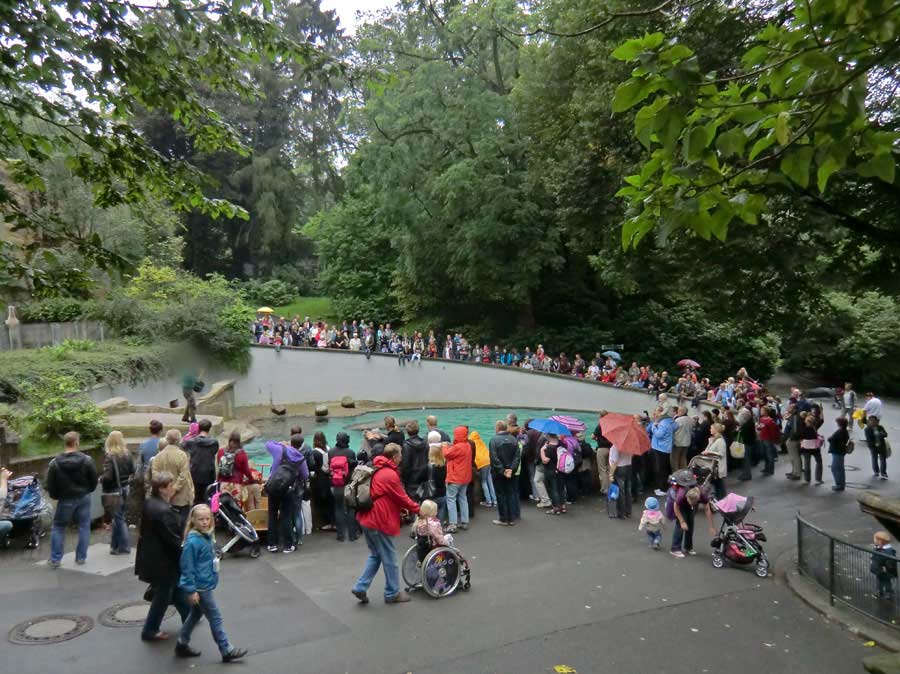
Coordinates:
[626,433]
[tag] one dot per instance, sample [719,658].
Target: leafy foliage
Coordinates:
[812,98]
[56,310]
[57,405]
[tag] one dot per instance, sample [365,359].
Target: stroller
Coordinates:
[230,516]
[737,541]
[26,507]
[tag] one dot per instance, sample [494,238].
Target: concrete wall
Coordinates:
[36,335]
[312,375]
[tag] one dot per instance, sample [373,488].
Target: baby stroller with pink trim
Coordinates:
[738,542]
[26,508]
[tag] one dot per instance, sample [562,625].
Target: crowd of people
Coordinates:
[430,477]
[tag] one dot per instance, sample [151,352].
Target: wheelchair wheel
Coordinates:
[409,569]
[441,572]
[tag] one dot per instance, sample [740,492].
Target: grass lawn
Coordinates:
[317,308]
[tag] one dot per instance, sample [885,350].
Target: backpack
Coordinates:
[565,462]
[226,464]
[340,467]
[358,494]
[283,477]
[671,495]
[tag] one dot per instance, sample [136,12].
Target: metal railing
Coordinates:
[854,575]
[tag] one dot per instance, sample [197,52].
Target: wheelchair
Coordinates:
[441,573]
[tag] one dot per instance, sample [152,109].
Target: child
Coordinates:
[199,577]
[427,530]
[652,522]
[885,570]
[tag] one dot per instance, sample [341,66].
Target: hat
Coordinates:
[651,503]
[434,438]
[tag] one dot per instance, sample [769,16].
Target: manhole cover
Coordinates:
[50,629]
[128,615]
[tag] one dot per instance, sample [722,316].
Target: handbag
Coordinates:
[737,450]
[112,501]
[887,449]
[426,490]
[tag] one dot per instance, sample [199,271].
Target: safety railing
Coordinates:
[853,575]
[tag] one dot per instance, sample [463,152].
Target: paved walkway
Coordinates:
[580,591]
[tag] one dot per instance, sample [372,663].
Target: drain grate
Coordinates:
[50,629]
[132,614]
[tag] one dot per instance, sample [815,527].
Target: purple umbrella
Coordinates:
[573,424]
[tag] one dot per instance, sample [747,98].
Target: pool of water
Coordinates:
[476,418]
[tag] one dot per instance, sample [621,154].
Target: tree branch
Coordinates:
[605,22]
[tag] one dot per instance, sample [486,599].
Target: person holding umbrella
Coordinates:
[629,439]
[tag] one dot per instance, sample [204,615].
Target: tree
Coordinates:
[85,68]
[813,98]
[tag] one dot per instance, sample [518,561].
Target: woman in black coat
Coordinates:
[158,556]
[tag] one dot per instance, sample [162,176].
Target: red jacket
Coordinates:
[389,498]
[241,473]
[768,430]
[459,457]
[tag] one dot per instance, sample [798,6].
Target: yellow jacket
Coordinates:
[482,455]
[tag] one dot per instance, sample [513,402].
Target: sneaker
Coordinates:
[512,523]
[544,504]
[884,476]
[289,550]
[677,553]
[692,552]
[82,562]
[185,651]
[659,492]
[234,654]
[399,598]
[500,523]
[53,565]
[818,482]
[451,529]
[836,488]
[656,546]
[361,595]
[272,548]
[486,504]
[464,526]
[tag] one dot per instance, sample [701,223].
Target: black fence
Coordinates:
[854,575]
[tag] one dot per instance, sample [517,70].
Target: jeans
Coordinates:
[540,483]
[515,504]
[442,507]
[456,495]
[69,510]
[506,498]
[679,533]
[747,461]
[770,453]
[120,541]
[164,594]
[878,457]
[281,520]
[885,586]
[837,470]
[555,487]
[5,527]
[807,464]
[207,607]
[622,476]
[296,496]
[344,520]
[654,537]
[532,475]
[381,552]
[487,485]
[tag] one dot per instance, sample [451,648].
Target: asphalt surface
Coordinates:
[580,592]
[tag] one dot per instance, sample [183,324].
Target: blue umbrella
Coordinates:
[549,426]
[612,354]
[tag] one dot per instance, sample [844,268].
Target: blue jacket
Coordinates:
[663,432]
[198,571]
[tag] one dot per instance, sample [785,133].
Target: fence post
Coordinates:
[831,570]
[800,544]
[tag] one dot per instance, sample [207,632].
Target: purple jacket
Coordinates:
[277,450]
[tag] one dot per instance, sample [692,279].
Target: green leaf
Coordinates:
[782,130]
[760,145]
[731,142]
[628,49]
[653,40]
[795,165]
[645,120]
[827,167]
[630,93]
[880,166]
[697,140]
[676,53]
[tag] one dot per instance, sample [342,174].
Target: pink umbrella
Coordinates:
[573,424]
[687,362]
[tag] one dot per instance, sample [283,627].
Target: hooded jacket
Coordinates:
[459,457]
[202,451]
[342,448]
[71,475]
[279,449]
[388,497]
[482,453]
[198,571]
[414,462]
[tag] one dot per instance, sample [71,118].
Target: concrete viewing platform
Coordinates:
[134,424]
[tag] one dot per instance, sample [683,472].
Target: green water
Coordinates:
[476,418]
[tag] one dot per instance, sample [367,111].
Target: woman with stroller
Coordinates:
[718,450]
[117,471]
[685,506]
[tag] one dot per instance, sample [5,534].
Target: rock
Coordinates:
[348,402]
[279,410]
[114,405]
[321,411]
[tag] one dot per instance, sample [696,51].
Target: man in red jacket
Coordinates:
[381,524]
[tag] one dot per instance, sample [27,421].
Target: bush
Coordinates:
[55,310]
[58,406]
[273,292]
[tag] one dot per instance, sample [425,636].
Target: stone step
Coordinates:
[136,424]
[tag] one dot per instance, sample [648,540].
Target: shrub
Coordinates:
[54,310]
[273,292]
[58,406]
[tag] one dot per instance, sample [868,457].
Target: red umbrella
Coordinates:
[626,433]
[687,362]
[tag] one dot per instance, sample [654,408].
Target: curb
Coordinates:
[786,569]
